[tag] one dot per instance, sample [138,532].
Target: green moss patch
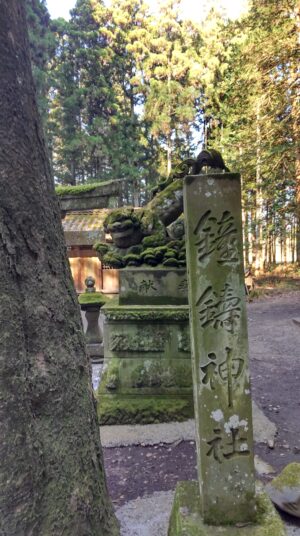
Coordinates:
[96,298]
[114,260]
[186,519]
[121,410]
[157,239]
[288,478]
[80,189]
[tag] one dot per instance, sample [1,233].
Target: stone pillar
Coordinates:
[222,399]
[93,334]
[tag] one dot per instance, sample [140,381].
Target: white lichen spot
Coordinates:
[207,194]
[247,391]
[243,447]
[217,415]
[216,397]
[232,424]
[244,424]
[210,181]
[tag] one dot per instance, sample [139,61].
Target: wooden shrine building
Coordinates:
[84,209]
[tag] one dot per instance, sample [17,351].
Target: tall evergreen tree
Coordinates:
[253,120]
[42,47]
[172,78]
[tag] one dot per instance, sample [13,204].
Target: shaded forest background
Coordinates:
[125,94]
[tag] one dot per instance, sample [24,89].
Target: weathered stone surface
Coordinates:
[223,412]
[95,352]
[106,195]
[153,286]
[284,490]
[93,334]
[134,337]
[186,519]
[147,369]
[132,313]
[138,376]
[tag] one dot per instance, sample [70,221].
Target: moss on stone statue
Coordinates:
[181,256]
[157,239]
[110,378]
[96,298]
[170,253]
[148,410]
[136,250]
[137,313]
[171,263]
[124,216]
[144,228]
[174,245]
[186,519]
[101,248]
[182,376]
[114,260]
[155,375]
[132,259]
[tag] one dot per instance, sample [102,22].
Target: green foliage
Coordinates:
[128,91]
[251,112]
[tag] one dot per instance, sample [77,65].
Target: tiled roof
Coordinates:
[84,227]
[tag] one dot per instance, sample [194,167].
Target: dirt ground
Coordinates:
[274,342]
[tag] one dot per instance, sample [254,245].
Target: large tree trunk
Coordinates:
[51,476]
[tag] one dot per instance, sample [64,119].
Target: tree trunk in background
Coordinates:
[259,261]
[51,477]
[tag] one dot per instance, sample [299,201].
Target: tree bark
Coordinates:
[51,477]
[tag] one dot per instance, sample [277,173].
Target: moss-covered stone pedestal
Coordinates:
[147,367]
[186,519]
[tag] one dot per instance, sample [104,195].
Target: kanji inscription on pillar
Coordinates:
[212,207]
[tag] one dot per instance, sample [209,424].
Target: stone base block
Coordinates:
[153,286]
[186,520]
[95,352]
[119,409]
